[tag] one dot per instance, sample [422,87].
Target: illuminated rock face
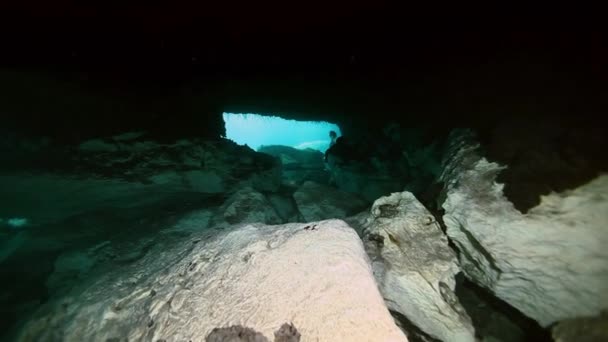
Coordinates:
[550,263]
[415,267]
[315,275]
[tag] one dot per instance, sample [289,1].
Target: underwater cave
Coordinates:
[171,178]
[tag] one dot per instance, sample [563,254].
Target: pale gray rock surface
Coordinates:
[415,267]
[550,263]
[319,202]
[316,276]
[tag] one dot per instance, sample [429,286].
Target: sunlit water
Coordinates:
[257,130]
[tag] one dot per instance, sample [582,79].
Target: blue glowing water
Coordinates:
[256,130]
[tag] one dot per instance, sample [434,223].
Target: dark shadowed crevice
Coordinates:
[479,247]
[493,317]
[413,333]
[545,155]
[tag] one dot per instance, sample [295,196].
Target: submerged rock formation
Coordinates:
[203,166]
[550,263]
[315,275]
[238,333]
[319,202]
[583,329]
[415,267]
[246,206]
[375,165]
[299,165]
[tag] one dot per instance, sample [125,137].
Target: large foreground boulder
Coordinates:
[550,263]
[415,267]
[315,276]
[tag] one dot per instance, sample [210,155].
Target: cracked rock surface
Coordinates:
[255,275]
[550,263]
[415,267]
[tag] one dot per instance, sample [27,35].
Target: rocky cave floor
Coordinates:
[118,205]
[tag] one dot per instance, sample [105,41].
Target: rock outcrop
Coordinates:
[375,165]
[246,206]
[238,333]
[299,165]
[203,166]
[315,276]
[550,263]
[319,202]
[582,329]
[415,267]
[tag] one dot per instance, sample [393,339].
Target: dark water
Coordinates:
[75,230]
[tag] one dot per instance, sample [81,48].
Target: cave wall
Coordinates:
[435,89]
[541,119]
[70,108]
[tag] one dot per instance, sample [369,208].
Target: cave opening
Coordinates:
[257,130]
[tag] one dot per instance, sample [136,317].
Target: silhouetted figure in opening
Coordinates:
[343,149]
[333,136]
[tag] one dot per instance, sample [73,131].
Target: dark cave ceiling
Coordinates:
[114,66]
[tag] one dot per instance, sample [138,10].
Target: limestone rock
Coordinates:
[285,207]
[366,184]
[204,181]
[415,267]
[583,329]
[299,165]
[256,276]
[319,202]
[235,333]
[358,221]
[246,206]
[550,263]
[238,333]
[204,166]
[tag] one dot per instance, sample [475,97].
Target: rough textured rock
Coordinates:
[376,165]
[238,333]
[235,333]
[358,221]
[258,276]
[205,166]
[319,202]
[285,207]
[583,329]
[246,206]
[204,181]
[299,165]
[366,184]
[550,263]
[415,267]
